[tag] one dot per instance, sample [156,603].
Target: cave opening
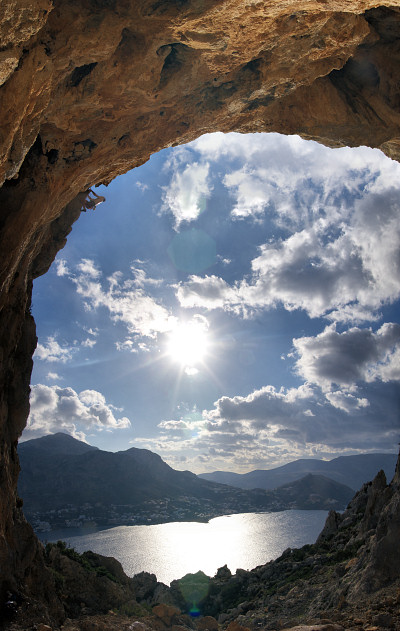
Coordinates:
[280,257]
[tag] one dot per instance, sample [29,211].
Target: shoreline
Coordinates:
[77,531]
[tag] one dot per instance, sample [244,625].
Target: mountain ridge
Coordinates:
[359,468]
[136,486]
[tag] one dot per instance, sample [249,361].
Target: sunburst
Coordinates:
[189,343]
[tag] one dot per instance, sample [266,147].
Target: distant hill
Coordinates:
[65,480]
[352,471]
[313,490]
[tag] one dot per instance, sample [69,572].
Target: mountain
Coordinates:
[57,444]
[353,471]
[57,472]
[65,482]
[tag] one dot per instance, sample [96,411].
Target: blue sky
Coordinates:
[234,304]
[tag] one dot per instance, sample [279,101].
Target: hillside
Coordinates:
[352,471]
[53,477]
[65,482]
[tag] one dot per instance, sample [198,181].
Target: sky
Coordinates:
[232,305]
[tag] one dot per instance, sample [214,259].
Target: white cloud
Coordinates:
[353,356]
[210,292]
[88,268]
[174,426]
[56,409]
[347,276]
[53,376]
[132,345]
[89,342]
[224,261]
[186,195]
[127,345]
[125,300]
[91,331]
[339,253]
[346,401]
[140,277]
[252,191]
[51,351]
[62,268]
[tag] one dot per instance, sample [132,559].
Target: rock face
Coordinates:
[90,88]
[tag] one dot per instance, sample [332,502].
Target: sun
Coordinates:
[188,343]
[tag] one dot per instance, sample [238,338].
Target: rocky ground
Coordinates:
[349,579]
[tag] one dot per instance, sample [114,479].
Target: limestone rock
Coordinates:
[223,573]
[166,613]
[331,526]
[92,584]
[144,585]
[379,561]
[207,623]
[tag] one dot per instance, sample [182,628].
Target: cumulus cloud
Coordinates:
[53,376]
[252,191]
[344,273]
[62,268]
[125,300]
[91,341]
[343,359]
[210,292]
[56,409]
[186,195]
[346,401]
[52,351]
[140,277]
[270,426]
[337,216]
[88,268]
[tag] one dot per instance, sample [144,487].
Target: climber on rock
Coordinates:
[92,202]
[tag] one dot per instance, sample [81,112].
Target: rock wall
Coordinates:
[90,88]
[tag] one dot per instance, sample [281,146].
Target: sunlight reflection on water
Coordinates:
[172,550]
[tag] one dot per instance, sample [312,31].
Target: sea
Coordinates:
[173,550]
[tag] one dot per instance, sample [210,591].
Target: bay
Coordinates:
[174,549]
